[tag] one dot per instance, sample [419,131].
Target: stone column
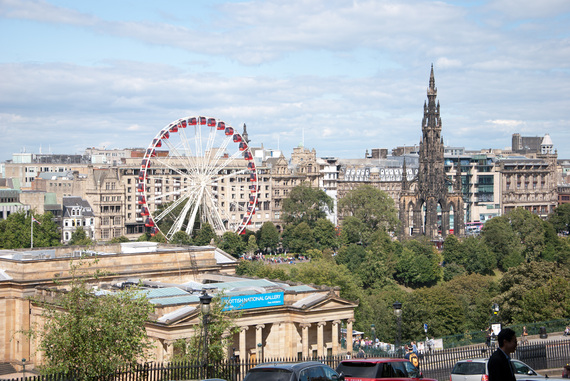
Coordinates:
[320,338]
[349,336]
[305,338]
[259,340]
[335,327]
[242,342]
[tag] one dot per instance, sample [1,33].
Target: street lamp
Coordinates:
[205,301]
[373,332]
[24,367]
[495,309]
[398,313]
[494,316]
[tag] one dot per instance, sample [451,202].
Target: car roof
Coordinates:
[288,365]
[482,359]
[375,360]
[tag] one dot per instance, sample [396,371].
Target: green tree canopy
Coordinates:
[204,235]
[221,328]
[355,231]
[418,264]
[520,280]
[502,240]
[306,204]
[232,244]
[15,231]
[268,237]
[181,238]
[560,218]
[298,238]
[91,336]
[374,207]
[79,237]
[325,234]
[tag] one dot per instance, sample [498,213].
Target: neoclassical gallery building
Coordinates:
[277,319]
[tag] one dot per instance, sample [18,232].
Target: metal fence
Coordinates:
[437,364]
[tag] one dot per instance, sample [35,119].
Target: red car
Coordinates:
[381,369]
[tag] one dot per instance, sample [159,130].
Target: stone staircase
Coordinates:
[6,368]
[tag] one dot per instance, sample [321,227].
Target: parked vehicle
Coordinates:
[476,370]
[381,369]
[302,371]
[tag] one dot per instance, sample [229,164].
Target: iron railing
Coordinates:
[546,354]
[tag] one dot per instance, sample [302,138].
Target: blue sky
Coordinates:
[346,75]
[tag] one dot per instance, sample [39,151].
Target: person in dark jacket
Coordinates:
[499,365]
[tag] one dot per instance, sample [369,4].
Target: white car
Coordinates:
[476,370]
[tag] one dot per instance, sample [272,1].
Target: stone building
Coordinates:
[77,213]
[303,169]
[288,320]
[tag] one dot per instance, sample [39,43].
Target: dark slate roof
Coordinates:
[73,201]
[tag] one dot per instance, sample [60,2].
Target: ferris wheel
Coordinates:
[195,171]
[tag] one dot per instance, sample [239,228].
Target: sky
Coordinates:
[338,76]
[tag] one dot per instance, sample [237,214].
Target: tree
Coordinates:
[452,251]
[475,293]
[181,238]
[92,336]
[520,280]
[204,235]
[418,265]
[322,272]
[355,231]
[298,238]
[119,239]
[374,207]
[268,237]
[477,258]
[436,306]
[232,244]
[502,240]
[550,301]
[221,328]
[15,231]
[560,218]
[306,204]
[78,237]
[251,244]
[325,234]
[530,230]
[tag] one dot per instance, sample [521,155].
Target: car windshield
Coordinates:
[268,375]
[358,369]
[468,368]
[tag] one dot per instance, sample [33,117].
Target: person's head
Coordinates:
[507,340]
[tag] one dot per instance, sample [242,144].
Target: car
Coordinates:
[299,371]
[380,368]
[476,370]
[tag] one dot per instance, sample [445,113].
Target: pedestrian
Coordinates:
[499,365]
[566,371]
[524,338]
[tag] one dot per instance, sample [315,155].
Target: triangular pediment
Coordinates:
[321,302]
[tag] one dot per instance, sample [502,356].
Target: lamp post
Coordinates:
[398,313]
[24,367]
[494,317]
[205,301]
[373,333]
